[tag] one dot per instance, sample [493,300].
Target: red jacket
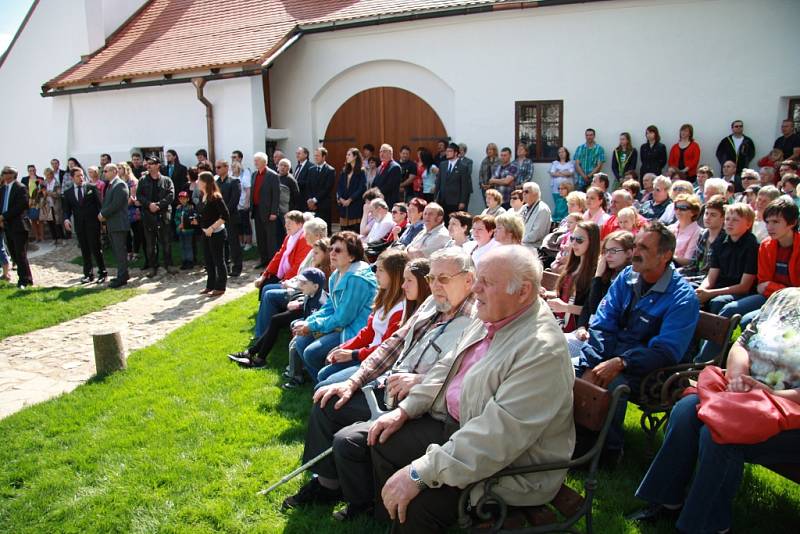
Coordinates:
[691,158]
[767,253]
[301,250]
[612,225]
[362,341]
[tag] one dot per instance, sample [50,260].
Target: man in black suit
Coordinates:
[389,176]
[156,193]
[301,172]
[83,203]
[15,222]
[176,172]
[452,182]
[264,200]
[231,189]
[321,178]
[115,214]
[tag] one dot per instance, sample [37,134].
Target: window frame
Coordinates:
[789,115]
[540,104]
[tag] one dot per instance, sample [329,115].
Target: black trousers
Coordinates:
[161,235]
[233,248]
[279,321]
[266,238]
[217,275]
[134,239]
[118,241]
[18,249]
[448,209]
[89,242]
[433,510]
[56,230]
[327,421]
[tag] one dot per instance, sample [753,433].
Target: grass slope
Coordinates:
[183,440]
[39,307]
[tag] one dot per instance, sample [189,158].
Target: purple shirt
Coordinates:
[473,355]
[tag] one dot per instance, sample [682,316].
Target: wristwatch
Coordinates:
[412,473]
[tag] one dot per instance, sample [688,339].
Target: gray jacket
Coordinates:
[537,224]
[115,206]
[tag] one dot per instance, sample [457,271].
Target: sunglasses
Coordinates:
[338,250]
[576,239]
[443,279]
[683,207]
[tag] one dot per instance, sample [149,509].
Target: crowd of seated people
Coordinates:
[443,312]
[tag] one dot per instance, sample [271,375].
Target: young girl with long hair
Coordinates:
[213,216]
[574,282]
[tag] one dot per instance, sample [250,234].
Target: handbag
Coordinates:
[742,418]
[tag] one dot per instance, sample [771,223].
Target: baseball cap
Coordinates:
[313,275]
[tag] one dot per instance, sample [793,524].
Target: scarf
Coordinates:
[290,244]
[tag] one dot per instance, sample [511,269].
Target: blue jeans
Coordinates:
[727,306]
[336,372]
[689,450]
[3,253]
[187,254]
[314,350]
[273,300]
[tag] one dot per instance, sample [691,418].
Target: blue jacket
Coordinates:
[350,302]
[654,333]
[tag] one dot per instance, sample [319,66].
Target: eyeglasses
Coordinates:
[443,279]
[576,239]
[613,250]
[337,250]
[683,207]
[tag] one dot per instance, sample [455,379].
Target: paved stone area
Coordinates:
[43,364]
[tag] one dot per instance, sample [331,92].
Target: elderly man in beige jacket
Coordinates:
[503,398]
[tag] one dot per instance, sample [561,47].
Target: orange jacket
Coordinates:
[767,253]
[299,253]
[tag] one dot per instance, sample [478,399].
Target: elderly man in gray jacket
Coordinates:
[114,213]
[502,398]
[536,216]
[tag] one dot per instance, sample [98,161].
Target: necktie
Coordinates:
[299,167]
[450,169]
[5,197]
[80,195]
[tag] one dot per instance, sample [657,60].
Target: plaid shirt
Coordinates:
[391,350]
[524,171]
[504,171]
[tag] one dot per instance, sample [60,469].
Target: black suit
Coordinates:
[17,225]
[388,182]
[231,189]
[179,178]
[87,227]
[262,208]
[301,176]
[453,187]
[319,185]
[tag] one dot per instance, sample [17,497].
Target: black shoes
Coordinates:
[185,266]
[259,267]
[312,493]
[354,511]
[654,512]
[101,277]
[235,273]
[87,279]
[294,383]
[246,360]
[116,282]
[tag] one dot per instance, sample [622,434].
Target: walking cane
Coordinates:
[375,412]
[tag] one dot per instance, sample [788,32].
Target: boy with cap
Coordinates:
[312,297]
[184,214]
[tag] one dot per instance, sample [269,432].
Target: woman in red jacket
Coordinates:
[685,154]
[387,314]
[294,249]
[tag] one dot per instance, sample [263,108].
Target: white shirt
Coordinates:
[479,251]
[380,229]
[737,141]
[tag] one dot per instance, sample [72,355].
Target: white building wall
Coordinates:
[617,65]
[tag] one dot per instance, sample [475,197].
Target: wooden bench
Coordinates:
[549,280]
[593,409]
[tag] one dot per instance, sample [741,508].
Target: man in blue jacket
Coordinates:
[645,322]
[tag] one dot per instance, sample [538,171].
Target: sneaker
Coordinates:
[239,357]
[312,493]
[294,383]
[84,280]
[101,277]
[353,511]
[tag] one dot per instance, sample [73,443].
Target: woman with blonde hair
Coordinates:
[494,199]
[508,229]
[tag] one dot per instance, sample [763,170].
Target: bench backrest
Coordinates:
[549,280]
[717,329]
[590,405]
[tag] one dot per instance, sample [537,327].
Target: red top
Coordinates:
[257,181]
[296,257]
[768,257]
[363,341]
[691,157]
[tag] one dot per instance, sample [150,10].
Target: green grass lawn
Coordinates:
[108,256]
[183,440]
[25,310]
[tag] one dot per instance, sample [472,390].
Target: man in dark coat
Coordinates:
[231,189]
[176,171]
[453,183]
[115,214]
[389,176]
[15,223]
[319,185]
[264,199]
[156,193]
[737,147]
[82,203]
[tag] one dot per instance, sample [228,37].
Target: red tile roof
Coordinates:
[173,36]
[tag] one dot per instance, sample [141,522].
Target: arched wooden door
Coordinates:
[382,115]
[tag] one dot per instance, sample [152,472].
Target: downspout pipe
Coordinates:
[199,83]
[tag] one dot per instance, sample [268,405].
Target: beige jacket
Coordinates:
[516,410]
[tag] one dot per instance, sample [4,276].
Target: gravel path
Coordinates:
[45,363]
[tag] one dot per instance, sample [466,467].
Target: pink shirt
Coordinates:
[473,355]
[685,240]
